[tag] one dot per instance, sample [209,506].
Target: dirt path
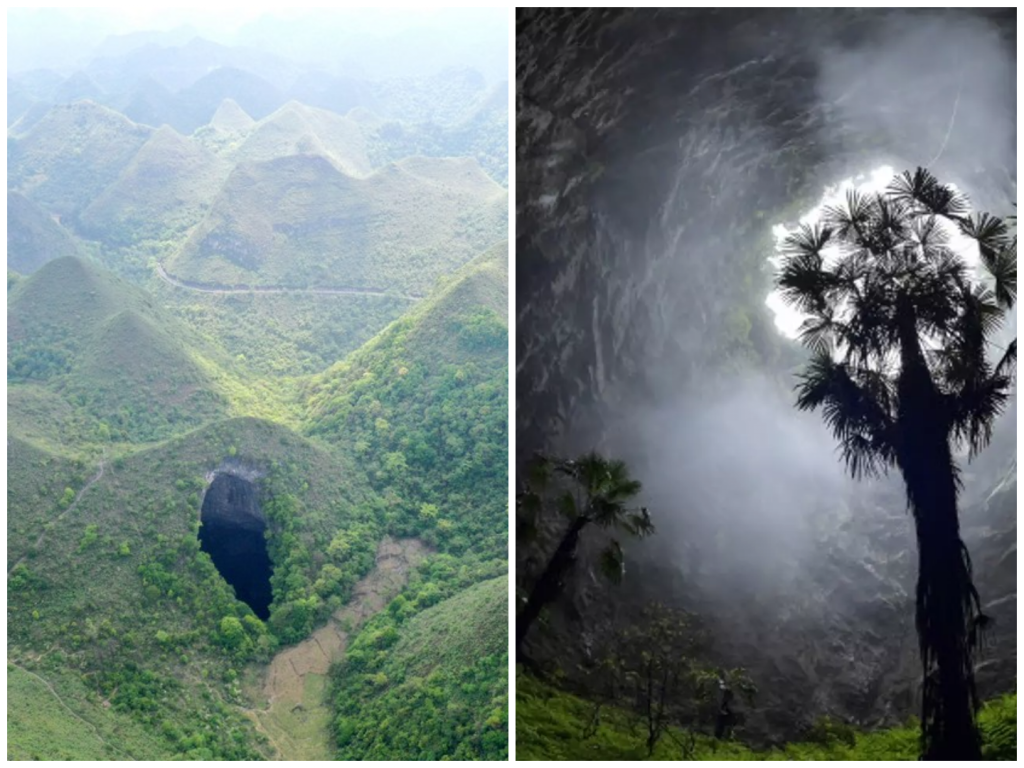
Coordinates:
[57,519]
[70,711]
[223,289]
[296,715]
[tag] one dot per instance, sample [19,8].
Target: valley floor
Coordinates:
[295,713]
[551,725]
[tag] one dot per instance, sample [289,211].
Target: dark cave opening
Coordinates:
[232,534]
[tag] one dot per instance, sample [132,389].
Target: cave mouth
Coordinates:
[232,534]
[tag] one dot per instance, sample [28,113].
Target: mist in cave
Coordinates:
[656,152]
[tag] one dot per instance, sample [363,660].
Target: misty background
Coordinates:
[371,43]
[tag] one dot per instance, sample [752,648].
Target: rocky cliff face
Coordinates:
[655,149]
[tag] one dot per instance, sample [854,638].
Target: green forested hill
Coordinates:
[166,188]
[367,428]
[105,348]
[300,222]
[67,158]
[424,406]
[481,133]
[141,610]
[128,524]
[33,237]
[439,691]
[296,129]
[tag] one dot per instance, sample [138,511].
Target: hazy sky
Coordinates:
[65,38]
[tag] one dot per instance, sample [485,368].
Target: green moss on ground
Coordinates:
[550,725]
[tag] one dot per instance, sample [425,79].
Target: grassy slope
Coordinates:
[52,716]
[550,725]
[50,421]
[118,588]
[300,222]
[296,129]
[138,377]
[115,587]
[441,692]
[72,154]
[283,334]
[80,334]
[165,188]
[36,486]
[33,237]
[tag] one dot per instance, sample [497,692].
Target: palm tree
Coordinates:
[598,492]
[900,336]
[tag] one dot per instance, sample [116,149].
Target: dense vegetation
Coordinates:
[423,407]
[128,387]
[552,724]
[596,494]
[299,221]
[431,685]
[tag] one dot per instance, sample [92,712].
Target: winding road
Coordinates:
[223,289]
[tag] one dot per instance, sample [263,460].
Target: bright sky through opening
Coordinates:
[788,319]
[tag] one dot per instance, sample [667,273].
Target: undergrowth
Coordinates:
[552,725]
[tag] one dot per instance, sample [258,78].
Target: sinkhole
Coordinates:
[232,534]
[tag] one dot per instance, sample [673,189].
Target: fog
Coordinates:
[371,43]
[737,483]
[955,73]
[749,495]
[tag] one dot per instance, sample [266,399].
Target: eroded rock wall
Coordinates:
[655,149]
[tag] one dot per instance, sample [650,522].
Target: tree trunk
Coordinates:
[946,605]
[945,613]
[549,584]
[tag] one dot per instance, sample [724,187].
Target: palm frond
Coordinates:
[804,283]
[1007,365]
[974,409]
[928,232]
[989,231]
[806,240]
[612,562]
[538,472]
[1002,265]
[869,328]
[859,416]
[911,187]
[938,291]
[849,219]
[923,189]
[567,505]
[818,333]
[638,523]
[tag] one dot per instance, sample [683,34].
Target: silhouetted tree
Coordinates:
[597,492]
[900,336]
